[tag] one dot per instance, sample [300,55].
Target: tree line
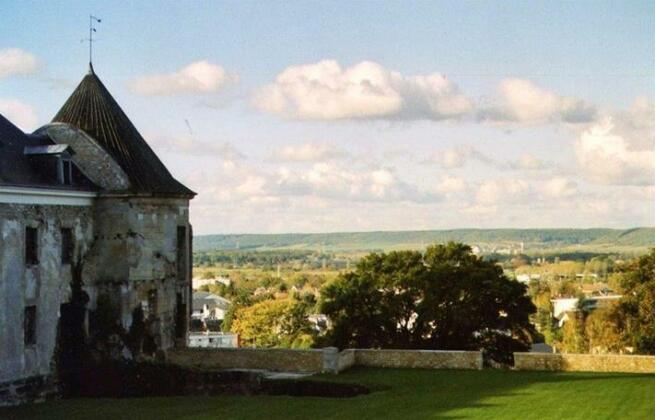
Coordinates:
[443,298]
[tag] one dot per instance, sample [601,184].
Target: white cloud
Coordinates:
[457,157]
[508,192]
[19,113]
[454,158]
[189,145]
[197,77]
[527,162]
[238,182]
[15,62]
[367,90]
[559,187]
[522,101]
[502,191]
[620,150]
[337,197]
[452,185]
[338,182]
[308,152]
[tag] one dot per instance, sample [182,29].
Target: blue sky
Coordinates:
[330,116]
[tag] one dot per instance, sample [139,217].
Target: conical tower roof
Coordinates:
[92,109]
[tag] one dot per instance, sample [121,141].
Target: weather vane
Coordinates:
[92,19]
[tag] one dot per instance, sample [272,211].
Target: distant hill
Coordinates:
[488,239]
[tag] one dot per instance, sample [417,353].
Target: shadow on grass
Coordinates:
[398,394]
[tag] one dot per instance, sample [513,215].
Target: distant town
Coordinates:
[569,274]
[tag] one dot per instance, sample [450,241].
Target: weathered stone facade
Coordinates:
[95,244]
[585,362]
[154,274]
[45,285]
[128,248]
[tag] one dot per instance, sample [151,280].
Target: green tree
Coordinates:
[273,323]
[566,288]
[602,331]
[573,334]
[241,298]
[445,299]
[543,319]
[636,311]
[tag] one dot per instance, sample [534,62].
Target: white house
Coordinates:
[209,307]
[523,278]
[563,305]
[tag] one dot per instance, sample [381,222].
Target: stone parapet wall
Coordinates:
[346,360]
[423,359]
[325,360]
[584,362]
[244,358]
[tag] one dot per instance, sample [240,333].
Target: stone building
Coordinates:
[89,218]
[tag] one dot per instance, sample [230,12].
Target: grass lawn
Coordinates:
[399,394]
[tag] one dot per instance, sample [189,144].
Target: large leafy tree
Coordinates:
[635,315]
[273,323]
[447,298]
[602,330]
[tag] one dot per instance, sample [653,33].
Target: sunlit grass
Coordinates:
[398,394]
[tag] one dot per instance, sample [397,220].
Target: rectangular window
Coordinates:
[30,325]
[181,253]
[65,171]
[180,317]
[68,169]
[66,246]
[31,246]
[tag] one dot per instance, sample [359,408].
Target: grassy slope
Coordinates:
[601,238]
[403,394]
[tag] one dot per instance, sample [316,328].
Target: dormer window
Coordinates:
[65,169]
[53,161]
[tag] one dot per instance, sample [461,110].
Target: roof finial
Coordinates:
[91,31]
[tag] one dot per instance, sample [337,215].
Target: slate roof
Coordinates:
[211,300]
[51,149]
[21,169]
[92,109]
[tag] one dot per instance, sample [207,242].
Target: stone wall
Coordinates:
[129,249]
[347,359]
[270,359]
[45,285]
[25,390]
[425,359]
[324,360]
[584,362]
[141,234]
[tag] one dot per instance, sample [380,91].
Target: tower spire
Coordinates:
[92,19]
